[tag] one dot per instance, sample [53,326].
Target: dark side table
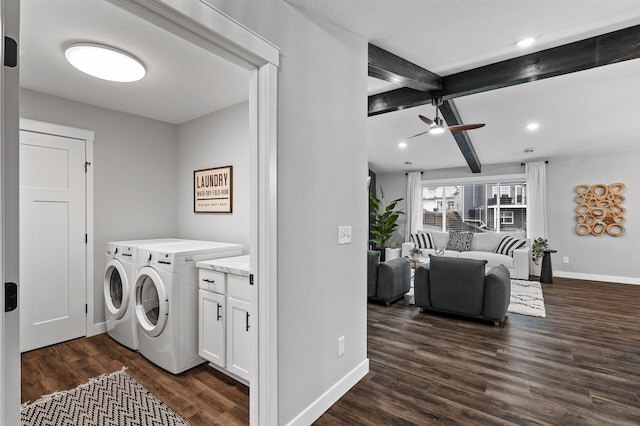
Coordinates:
[546,275]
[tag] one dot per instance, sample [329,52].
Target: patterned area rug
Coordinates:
[113,399]
[526,298]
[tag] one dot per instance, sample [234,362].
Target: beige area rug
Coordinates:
[527,298]
[114,399]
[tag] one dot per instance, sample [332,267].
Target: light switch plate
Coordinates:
[344,234]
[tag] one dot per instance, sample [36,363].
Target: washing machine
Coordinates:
[166,305]
[119,297]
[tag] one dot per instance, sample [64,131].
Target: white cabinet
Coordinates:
[211,333]
[238,338]
[226,321]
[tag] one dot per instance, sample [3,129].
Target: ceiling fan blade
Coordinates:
[419,134]
[429,121]
[466,126]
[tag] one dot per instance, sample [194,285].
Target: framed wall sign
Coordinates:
[213,190]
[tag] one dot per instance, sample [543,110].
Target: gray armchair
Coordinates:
[461,286]
[387,281]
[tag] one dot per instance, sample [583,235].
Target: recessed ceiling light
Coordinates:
[105,62]
[402,144]
[525,42]
[528,150]
[533,126]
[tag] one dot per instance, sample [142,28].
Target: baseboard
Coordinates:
[99,328]
[331,396]
[594,277]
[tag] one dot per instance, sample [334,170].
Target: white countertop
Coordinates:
[237,265]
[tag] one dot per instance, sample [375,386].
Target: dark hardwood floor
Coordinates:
[580,365]
[201,395]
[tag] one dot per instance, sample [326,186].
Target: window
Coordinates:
[483,207]
[506,217]
[505,191]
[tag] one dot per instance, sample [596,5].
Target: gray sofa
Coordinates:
[463,287]
[387,281]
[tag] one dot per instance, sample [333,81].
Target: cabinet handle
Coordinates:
[218,312]
[209,281]
[247,321]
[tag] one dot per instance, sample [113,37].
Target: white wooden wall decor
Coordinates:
[600,209]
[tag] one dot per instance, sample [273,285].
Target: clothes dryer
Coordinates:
[119,297]
[166,306]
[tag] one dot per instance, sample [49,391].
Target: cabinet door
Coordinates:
[239,325]
[211,333]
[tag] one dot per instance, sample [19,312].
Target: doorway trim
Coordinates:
[87,137]
[202,24]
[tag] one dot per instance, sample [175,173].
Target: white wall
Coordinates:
[217,139]
[603,257]
[134,173]
[322,172]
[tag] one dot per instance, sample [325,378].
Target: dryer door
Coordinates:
[152,302]
[116,289]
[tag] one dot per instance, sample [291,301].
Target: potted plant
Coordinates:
[384,220]
[538,247]
[415,254]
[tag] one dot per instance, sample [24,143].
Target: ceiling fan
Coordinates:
[437,125]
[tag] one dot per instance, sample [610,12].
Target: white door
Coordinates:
[52,240]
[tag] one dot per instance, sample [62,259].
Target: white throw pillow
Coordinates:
[508,244]
[423,240]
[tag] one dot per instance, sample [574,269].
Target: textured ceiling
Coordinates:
[593,111]
[183,81]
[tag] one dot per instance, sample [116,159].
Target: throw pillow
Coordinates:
[423,240]
[508,244]
[459,241]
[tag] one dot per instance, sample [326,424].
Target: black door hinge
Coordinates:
[86,309]
[10,297]
[10,52]
[86,238]
[250,279]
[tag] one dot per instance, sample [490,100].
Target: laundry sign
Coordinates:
[213,190]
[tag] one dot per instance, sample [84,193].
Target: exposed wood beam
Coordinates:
[452,117]
[389,67]
[616,46]
[395,100]
[605,49]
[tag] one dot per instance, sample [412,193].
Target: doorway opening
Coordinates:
[258,64]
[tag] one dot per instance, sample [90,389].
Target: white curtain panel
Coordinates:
[414,204]
[536,173]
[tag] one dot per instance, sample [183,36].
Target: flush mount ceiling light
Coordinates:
[105,62]
[528,150]
[525,42]
[533,126]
